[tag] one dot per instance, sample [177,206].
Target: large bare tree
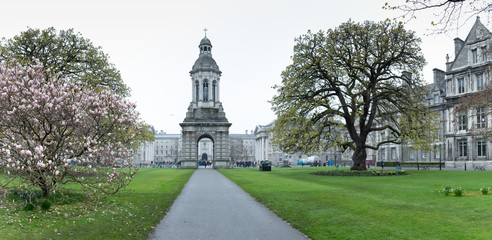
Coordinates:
[447,14]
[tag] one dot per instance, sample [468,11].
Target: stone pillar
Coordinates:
[190,151]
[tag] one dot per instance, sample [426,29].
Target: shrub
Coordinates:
[484,190]
[25,194]
[46,204]
[446,190]
[458,192]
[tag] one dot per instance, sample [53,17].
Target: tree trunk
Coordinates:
[44,187]
[359,159]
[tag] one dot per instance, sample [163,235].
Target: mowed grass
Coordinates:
[129,214]
[393,207]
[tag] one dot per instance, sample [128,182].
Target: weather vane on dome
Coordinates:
[205,30]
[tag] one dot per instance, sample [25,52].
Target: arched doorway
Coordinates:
[205,152]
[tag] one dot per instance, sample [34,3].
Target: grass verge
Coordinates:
[386,207]
[129,214]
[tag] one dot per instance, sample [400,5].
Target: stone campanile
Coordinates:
[205,117]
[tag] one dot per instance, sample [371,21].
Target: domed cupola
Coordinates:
[205,62]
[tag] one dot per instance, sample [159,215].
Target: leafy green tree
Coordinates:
[349,82]
[64,53]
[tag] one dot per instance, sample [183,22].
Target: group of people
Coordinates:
[245,163]
[204,163]
[165,164]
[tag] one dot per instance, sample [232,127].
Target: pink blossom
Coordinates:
[61,119]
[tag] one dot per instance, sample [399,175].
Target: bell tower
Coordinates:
[205,117]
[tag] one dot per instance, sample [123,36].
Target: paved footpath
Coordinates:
[212,207]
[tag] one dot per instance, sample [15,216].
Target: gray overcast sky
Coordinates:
[155,43]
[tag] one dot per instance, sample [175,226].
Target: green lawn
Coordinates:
[395,207]
[128,215]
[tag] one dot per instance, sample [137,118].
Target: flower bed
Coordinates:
[368,173]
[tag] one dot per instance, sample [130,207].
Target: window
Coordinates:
[479,78]
[205,91]
[424,154]
[481,148]
[393,153]
[383,136]
[197,90]
[383,154]
[474,55]
[213,91]
[462,148]
[484,54]
[461,85]
[462,121]
[436,99]
[412,154]
[481,117]
[437,151]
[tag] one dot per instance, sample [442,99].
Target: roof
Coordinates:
[167,136]
[205,63]
[205,41]
[478,33]
[242,136]
[264,128]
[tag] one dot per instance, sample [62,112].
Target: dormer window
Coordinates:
[484,53]
[474,56]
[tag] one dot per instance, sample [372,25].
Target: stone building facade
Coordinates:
[242,147]
[265,151]
[144,157]
[468,73]
[167,148]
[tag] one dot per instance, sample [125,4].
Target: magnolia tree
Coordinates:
[57,132]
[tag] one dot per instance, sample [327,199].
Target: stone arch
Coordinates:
[217,132]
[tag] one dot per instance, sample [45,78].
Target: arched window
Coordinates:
[213,91]
[197,90]
[205,91]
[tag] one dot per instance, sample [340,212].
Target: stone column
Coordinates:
[188,159]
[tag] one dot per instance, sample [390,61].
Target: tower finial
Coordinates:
[205,30]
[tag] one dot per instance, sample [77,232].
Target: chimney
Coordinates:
[438,75]
[458,43]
